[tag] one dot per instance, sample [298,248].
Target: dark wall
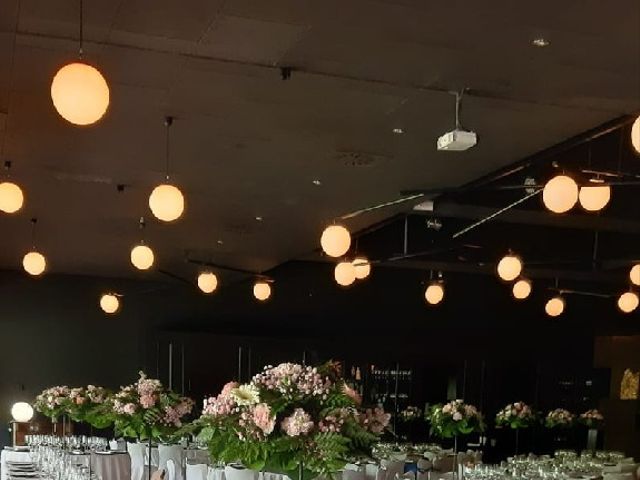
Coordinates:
[53,332]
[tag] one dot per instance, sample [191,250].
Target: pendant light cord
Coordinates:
[81,30]
[33,232]
[168,121]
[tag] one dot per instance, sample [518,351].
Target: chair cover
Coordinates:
[197,472]
[138,468]
[393,468]
[236,473]
[171,470]
[171,452]
[353,474]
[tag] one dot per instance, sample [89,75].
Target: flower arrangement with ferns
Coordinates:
[292,419]
[454,418]
[81,404]
[591,419]
[516,415]
[146,410]
[53,402]
[559,418]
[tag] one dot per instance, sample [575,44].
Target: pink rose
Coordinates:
[457,416]
[129,409]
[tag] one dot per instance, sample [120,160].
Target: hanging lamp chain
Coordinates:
[81,35]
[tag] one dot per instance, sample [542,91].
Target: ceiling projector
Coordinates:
[457,140]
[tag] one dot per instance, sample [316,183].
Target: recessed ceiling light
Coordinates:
[259,218]
[398,131]
[540,42]
[220,242]
[316,182]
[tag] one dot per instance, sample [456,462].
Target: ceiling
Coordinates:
[245,143]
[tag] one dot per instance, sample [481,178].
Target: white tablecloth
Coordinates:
[11,456]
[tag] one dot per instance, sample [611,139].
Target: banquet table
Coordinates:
[108,465]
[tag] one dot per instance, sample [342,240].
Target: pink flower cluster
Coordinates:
[292,380]
[173,414]
[96,394]
[375,420]
[297,424]
[335,420]
[593,415]
[148,389]
[516,410]
[53,397]
[223,404]
[257,422]
[77,396]
[458,410]
[560,416]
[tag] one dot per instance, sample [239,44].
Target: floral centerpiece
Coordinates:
[559,418]
[591,419]
[292,419]
[410,414]
[89,405]
[516,415]
[454,418]
[147,410]
[53,402]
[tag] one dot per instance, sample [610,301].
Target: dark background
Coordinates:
[490,349]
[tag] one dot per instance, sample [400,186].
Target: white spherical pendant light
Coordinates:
[554,306]
[628,302]
[262,291]
[362,266]
[521,289]
[634,274]
[80,93]
[166,202]
[11,197]
[594,199]
[345,273]
[142,257]
[109,303]
[207,282]
[509,267]
[635,135]
[560,194]
[335,240]
[22,412]
[34,263]
[434,293]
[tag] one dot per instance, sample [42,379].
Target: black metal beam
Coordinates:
[444,209]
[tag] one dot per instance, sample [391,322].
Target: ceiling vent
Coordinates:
[360,159]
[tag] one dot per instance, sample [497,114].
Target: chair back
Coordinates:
[237,473]
[175,453]
[197,471]
[171,470]
[136,453]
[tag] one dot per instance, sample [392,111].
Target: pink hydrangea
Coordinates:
[147,401]
[263,418]
[298,423]
[226,390]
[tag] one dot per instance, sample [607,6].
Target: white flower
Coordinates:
[246,395]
